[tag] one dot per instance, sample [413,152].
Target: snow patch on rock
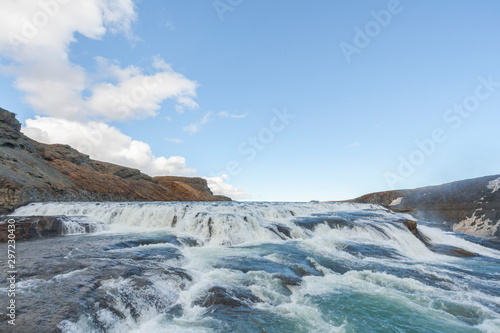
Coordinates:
[397,201]
[494,185]
[477,225]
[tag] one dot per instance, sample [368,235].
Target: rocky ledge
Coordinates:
[32,227]
[439,248]
[469,206]
[34,172]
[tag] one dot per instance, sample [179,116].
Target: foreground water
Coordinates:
[250,267]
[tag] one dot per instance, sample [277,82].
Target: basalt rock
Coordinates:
[469,206]
[219,197]
[438,248]
[220,296]
[196,183]
[32,227]
[34,172]
[411,225]
[451,251]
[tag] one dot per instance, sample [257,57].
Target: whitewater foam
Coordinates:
[277,267]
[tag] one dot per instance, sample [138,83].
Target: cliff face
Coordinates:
[32,172]
[470,206]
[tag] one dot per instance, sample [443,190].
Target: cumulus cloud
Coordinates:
[34,43]
[31,25]
[195,127]
[137,95]
[219,186]
[225,114]
[35,39]
[105,143]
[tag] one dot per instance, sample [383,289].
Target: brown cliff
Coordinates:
[34,172]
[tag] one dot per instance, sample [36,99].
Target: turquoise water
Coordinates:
[253,267]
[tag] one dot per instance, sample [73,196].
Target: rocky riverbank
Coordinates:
[469,206]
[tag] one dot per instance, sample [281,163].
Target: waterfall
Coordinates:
[250,267]
[222,223]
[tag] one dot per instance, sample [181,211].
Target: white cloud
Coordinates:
[53,87]
[32,25]
[34,42]
[219,186]
[137,95]
[195,127]
[174,140]
[35,39]
[105,143]
[225,114]
[353,145]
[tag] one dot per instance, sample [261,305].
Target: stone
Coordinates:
[411,225]
[221,296]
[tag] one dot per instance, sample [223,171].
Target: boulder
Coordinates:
[221,296]
[411,225]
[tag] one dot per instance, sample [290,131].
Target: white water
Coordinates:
[243,223]
[74,225]
[355,288]
[219,224]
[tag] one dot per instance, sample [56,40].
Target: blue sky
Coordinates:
[381,117]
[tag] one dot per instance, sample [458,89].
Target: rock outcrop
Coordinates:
[31,227]
[469,206]
[34,172]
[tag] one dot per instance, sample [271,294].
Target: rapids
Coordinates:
[251,267]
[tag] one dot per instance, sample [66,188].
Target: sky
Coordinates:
[267,100]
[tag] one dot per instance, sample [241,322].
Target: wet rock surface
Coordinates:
[222,296]
[32,227]
[154,280]
[64,277]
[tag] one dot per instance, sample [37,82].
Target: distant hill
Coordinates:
[469,206]
[34,172]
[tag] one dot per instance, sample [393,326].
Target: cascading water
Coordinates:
[251,267]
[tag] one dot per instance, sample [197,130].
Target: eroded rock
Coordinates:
[221,296]
[32,227]
[469,206]
[34,172]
